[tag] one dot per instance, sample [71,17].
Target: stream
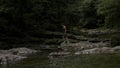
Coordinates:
[39,60]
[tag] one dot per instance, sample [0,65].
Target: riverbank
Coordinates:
[15,54]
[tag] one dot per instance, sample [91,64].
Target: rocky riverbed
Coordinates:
[15,54]
[89,45]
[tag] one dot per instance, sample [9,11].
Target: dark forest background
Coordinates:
[31,21]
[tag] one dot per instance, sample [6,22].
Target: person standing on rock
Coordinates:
[65,37]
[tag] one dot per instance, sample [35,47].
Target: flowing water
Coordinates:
[41,60]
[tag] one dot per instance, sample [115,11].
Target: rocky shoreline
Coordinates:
[89,45]
[15,54]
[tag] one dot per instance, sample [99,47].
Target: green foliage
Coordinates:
[23,19]
[88,14]
[110,9]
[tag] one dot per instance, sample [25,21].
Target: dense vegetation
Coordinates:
[28,20]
